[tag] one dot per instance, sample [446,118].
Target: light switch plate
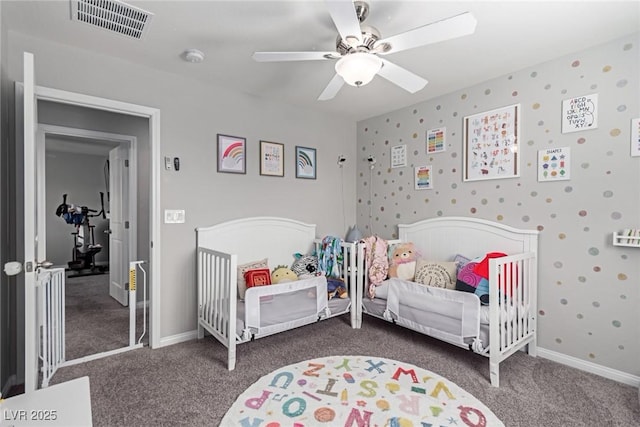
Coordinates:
[174,216]
[168,163]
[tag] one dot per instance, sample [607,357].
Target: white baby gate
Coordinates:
[50,290]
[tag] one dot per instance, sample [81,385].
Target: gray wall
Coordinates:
[588,289]
[192,114]
[81,177]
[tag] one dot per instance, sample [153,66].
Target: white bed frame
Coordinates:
[222,247]
[441,239]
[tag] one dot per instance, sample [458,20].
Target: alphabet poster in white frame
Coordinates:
[491,142]
[398,156]
[580,113]
[635,137]
[554,164]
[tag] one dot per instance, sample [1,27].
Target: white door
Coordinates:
[33,253]
[119,224]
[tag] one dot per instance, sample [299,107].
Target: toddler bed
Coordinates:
[234,314]
[503,322]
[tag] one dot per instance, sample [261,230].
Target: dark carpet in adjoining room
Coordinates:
[188,384]
[95,322]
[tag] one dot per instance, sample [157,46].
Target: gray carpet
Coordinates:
[188,384]
[95,322]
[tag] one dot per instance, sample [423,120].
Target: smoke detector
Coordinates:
[193,55]
[112,15]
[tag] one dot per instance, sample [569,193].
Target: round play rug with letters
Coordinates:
[356,391]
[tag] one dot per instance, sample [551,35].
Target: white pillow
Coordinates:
[436,274]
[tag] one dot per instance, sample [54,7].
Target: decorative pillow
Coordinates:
[436,274]
[482,269]
[467,279]
[483,291]
[460,261]
[257,277]
[242,284]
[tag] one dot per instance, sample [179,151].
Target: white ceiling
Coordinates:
[510,36]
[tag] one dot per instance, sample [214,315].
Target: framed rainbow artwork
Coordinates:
[232,154]
[423,177]
[305,162]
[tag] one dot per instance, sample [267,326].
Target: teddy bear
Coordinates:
[402,263]
[282,274]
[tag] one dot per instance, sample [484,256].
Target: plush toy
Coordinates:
[336,287]
[282,274]
[402,263]
[305,266]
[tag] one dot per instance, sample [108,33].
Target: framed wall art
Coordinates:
[554,164]
[580,113]
[231,154]
[491,142]
[305,162]
[423,177]
[635,137]
[271,158]
[398,156]
[436,140]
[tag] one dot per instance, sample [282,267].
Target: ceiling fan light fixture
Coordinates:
[358,69]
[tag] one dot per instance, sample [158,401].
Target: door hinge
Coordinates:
[126,225]
[126,163]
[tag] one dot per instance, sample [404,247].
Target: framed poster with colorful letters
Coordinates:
[423,177]
[580,113]
[436,140]
[554,164]
[491,142]
[271,158]
[635,138]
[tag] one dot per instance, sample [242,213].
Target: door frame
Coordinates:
[154,277]
[44,130]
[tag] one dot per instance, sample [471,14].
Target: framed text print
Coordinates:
[436,140]
[271,158]
[491,144]
[305,162]
[580,113]
[635,137]
[398,156]
[423,177]
[231,154]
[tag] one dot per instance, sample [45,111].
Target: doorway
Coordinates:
[29,227]
[91,169]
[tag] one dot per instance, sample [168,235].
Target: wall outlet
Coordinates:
[174,216]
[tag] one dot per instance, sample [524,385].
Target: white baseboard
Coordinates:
[583,365]
[178,338]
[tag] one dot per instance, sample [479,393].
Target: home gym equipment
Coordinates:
[84,246]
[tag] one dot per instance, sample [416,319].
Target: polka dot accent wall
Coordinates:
[589,290]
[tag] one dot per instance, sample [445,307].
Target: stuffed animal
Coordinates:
[402,263]
[282,274]
[305,266]
[336,287]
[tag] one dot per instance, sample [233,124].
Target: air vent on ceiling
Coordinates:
[112,15]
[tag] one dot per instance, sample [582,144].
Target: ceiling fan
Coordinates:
[359,48]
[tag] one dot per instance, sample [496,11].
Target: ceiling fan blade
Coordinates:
[401,77]
[449,28]
[344,17]
[332,88]
[293,56]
